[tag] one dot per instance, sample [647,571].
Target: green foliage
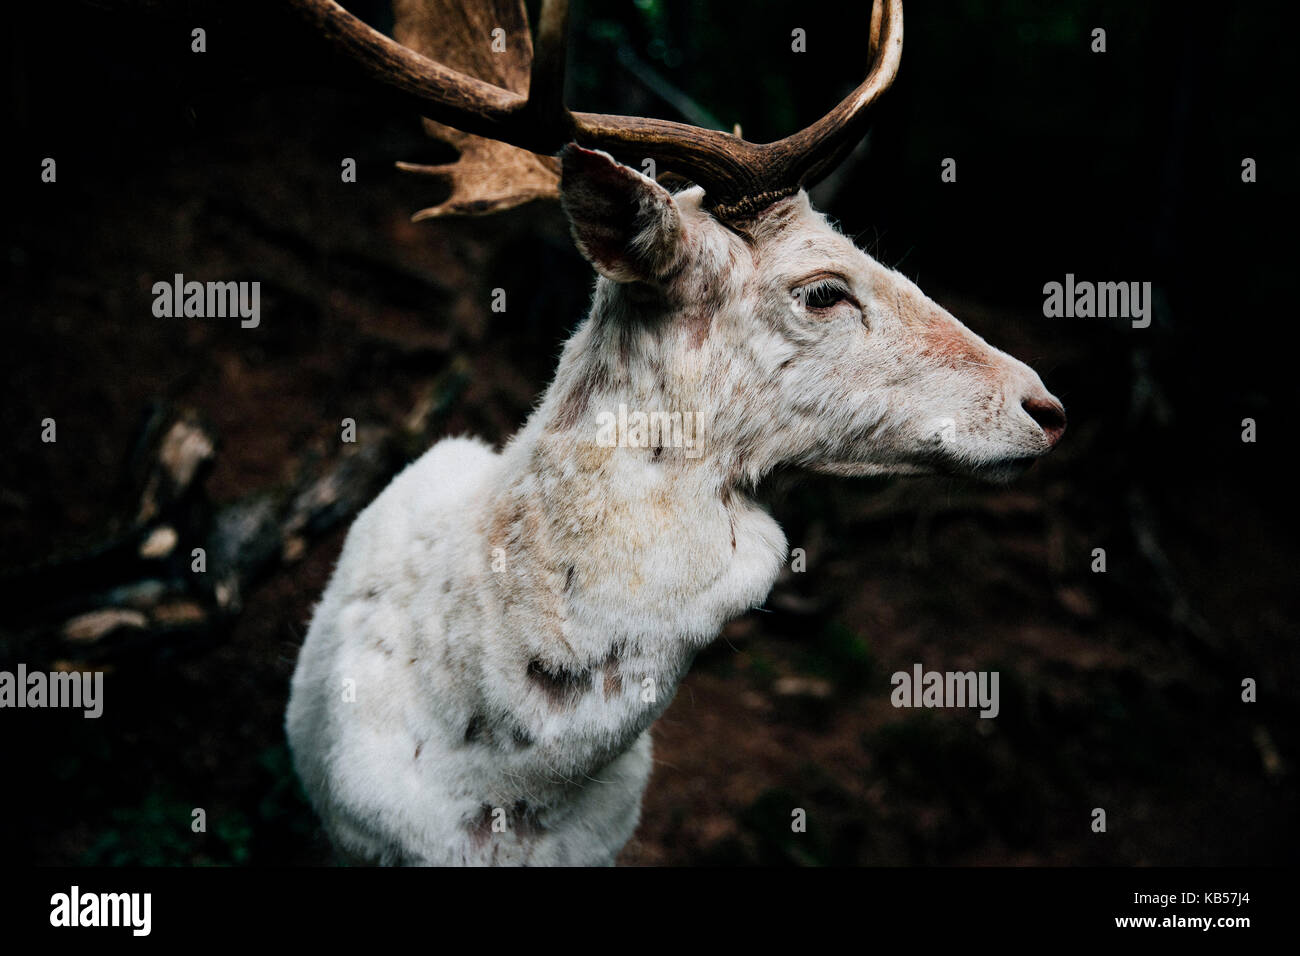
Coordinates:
[157,831]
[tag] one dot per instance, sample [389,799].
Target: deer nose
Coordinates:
[1049,415]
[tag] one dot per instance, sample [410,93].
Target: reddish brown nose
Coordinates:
[1050,417]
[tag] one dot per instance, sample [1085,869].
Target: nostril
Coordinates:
[1049,415]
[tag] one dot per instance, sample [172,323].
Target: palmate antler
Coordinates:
[506,134]
[490,175]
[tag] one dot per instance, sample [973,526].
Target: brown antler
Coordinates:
[738,177]
[489,175]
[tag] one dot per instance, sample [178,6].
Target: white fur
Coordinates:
[505,617]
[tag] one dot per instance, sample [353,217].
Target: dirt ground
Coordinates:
[1119,690]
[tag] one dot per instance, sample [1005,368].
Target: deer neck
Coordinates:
[620,540]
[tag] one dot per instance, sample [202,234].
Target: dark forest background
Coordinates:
[1120,690]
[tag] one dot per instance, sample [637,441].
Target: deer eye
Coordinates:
[822,295]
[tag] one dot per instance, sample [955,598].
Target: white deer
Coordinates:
[480,678]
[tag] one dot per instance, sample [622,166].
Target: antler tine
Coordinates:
[817,149]
[877,19]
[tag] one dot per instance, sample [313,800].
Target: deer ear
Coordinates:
[624,223]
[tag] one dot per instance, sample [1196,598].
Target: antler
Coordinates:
[738,177]
[489,175]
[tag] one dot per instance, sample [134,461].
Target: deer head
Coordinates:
[733,298]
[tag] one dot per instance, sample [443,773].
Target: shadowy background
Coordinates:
[1120,690]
